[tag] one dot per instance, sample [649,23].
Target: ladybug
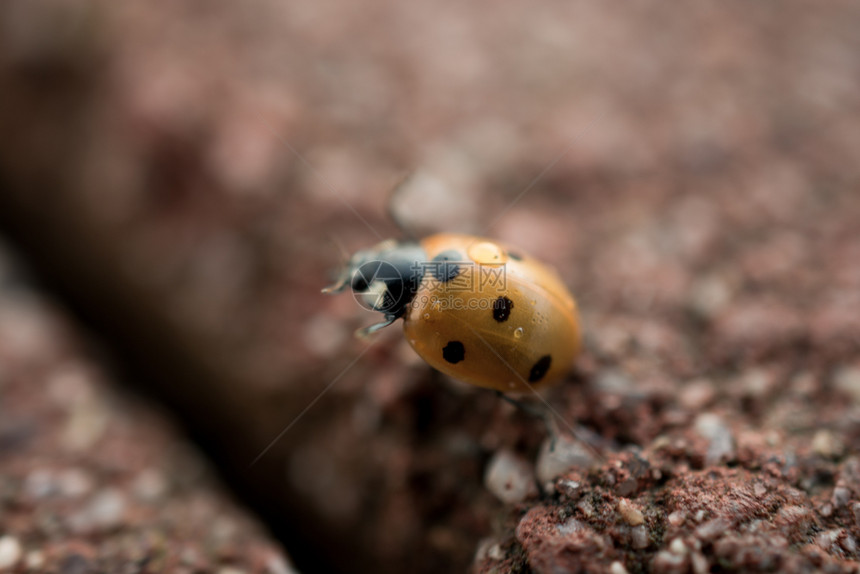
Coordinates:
[472,308]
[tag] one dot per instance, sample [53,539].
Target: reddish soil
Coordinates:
[179,178]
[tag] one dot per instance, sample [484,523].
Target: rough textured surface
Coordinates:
[92,481]
[182,180]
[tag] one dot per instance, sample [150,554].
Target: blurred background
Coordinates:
[179,179]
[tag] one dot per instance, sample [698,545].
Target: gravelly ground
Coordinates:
[93,481]
[182,178]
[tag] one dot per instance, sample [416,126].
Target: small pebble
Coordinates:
[613,381]
[709,295]
[617,568]
[695,395]
[659,442]
[631,515]
[841,496]
[483,549]
[826,539]
[722,443]
[666,561]
[555,460]
[570,488]
[74,483]
[107,508]
[586,507]
[795,514]
[190,556]
[826,444]
[712,529]
[104,512]
[773,438]
[699,563]
[434,192]
[277,564]
[571,526]
[40,484]
[855,509]
[34,560]
[25,329]
[87,422]
[627,487]
[10,551]
[848,544]
[639,538]
[510,478]
[676,518]
[804,383]
[757,382]
[150,486]
[847,380]
[677,546]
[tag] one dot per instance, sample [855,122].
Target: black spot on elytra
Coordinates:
[515,255]
[540,368]
[454,352]
[502,309]
[443,266]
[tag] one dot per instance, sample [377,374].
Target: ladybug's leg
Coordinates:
[336,287]
[537,411]
[364,332]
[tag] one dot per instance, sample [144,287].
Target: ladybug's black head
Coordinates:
[384,278]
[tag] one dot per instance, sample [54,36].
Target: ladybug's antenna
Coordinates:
[392,213]
[343,277]
[345,255]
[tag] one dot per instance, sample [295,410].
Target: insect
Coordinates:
[472,308]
